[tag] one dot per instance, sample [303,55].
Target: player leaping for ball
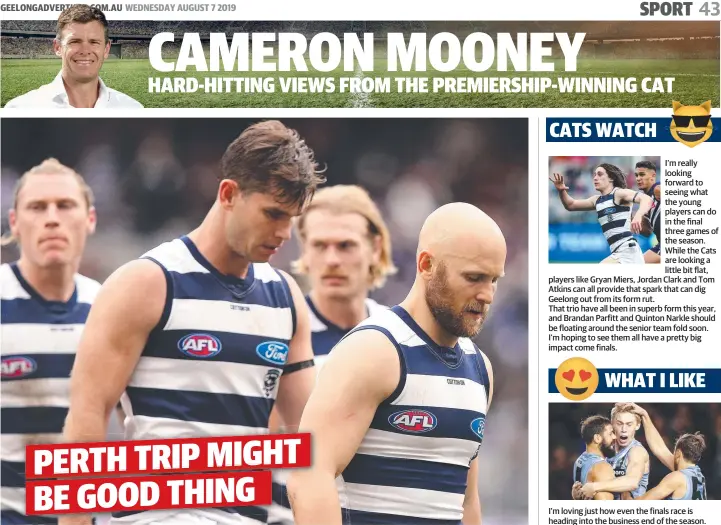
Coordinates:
[613,207]
[686,481]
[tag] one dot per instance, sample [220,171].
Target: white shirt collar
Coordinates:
[60,95]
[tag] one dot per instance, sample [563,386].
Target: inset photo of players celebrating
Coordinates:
[622,451]
[604,210]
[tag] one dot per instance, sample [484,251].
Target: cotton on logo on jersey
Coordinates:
[273,352]
[413,421]
[200,345]
[17,366]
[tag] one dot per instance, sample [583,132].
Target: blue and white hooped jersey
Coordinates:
[325,335]
[583,465]
[412,465]
[654,214]
[619,462]
[39,341]
[212,365]
[695,484]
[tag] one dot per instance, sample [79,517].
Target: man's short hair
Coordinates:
[646,164]
[353,199]
[49,166]
[592,426]
[270,158]
[691,446]
[82,14]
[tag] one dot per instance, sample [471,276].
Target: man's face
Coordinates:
[338,253]
[601,180]
[460,292]
[645,178]
[608,439]
[258,224]
[625,425]
[51,220]
[83,49]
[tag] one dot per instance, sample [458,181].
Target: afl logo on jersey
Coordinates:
[478,425]
[17,366]
[273,351]
[415,421]
[200,345]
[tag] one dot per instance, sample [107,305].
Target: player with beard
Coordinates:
[630,462]
[400,406]
[646,181]
[597,433]
[345,253]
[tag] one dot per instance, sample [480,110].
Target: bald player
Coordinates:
[400,406]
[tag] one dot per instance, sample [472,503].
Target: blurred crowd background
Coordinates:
[671,419]
[604,40]
[576,236]
[154,179]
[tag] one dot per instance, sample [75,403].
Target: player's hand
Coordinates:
[637,223]
[576,490]
[638,410]
[588,491]
[558,182]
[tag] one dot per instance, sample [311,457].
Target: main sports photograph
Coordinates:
[336,64]
[363,280]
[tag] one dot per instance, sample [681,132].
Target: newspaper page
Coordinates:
[390,263]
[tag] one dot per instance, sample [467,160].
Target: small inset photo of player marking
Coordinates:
[604,210]
[625,450]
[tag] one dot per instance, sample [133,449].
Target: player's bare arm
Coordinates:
[653,438]
[294,388]
[601,472]
[637,461]
[472,514]
[645,203]
[126,309]
[472,500]
[361,372]
[675,482]
[569,202]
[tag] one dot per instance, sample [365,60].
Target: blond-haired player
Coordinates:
[44,306]
[631,462]
[345,253]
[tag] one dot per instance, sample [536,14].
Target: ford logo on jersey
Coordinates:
[608,211]
[478,425]
[413,421]
[273,352]
[200,345]
[17,366]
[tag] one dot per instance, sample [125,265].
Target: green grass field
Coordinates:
[696,81]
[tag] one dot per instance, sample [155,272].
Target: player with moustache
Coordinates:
[45,303]
[591,465]
[412,391]
[346,253]
[201,335]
